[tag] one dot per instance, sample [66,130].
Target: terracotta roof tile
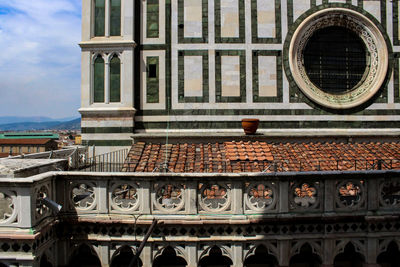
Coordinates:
[262,156]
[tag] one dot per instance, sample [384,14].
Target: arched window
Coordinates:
[99,17]
[115,18]
[115,79]
[98,77]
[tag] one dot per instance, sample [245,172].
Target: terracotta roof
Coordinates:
[262,156]
[24,141]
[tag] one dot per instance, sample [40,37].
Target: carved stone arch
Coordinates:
[316,247]
[96,54]
[82,248]
[306,252]
[213,251]
[261,253]
[111,55]
[271,249]
[389,253]
[124,252]
[224,249]
[350,252]
[359,247]
[384,244]
[179,253]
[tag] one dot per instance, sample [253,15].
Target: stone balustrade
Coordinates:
[203,196]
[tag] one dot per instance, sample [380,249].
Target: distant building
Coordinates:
[26,143]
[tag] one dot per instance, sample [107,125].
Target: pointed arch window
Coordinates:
[115,18]
[98,80]
[115,79]
[99,17]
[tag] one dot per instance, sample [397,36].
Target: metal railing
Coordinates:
[108,162]
[261,166]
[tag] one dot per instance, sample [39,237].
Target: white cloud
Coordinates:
[40,57]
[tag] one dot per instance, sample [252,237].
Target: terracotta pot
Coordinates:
[250,125]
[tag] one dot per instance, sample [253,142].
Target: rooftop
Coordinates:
[256,156]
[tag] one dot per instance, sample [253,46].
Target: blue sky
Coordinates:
[40,57]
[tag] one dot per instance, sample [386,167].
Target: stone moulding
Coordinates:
[375,44]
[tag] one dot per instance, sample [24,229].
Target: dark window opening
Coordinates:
[152,71]
[335,59]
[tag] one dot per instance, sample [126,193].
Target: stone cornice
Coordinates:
[108,44]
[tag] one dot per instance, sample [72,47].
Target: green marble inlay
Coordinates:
[153,10]
[395,10]
[278,25]
[253,112]
[269,124]
[217,12]
[153,82]
[277,54]
[396,78]
[181,24]
[181,77]
[218,76]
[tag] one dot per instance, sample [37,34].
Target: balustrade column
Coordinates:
[101,192]
[283,202]
[329,198]
[328,247]
[104,255]
[146,255]
[372,252]
[144,197]
[191,250]
[191,197]
[237,197]
[237,255]
[25,212]
[372,194]
[284,253]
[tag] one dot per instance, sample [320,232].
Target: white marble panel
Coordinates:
[230,18]
[193,69]
[267,76]
[299,7]
[230,76]
[192,15]
[266,18]
[374,8]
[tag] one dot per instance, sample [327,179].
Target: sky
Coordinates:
[40,57]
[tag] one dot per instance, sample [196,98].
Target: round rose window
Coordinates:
[338,58]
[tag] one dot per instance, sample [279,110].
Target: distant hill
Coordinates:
[17,119]
[40,126]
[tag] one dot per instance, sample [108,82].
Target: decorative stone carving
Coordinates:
[83,196]
[305,195]
[169,196]
[350,194]
[124,197]
[215,197]
[374,42]
[40,193]
[390,193]
[261,196]
[6,207]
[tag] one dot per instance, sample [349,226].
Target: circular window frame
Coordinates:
[375,45]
